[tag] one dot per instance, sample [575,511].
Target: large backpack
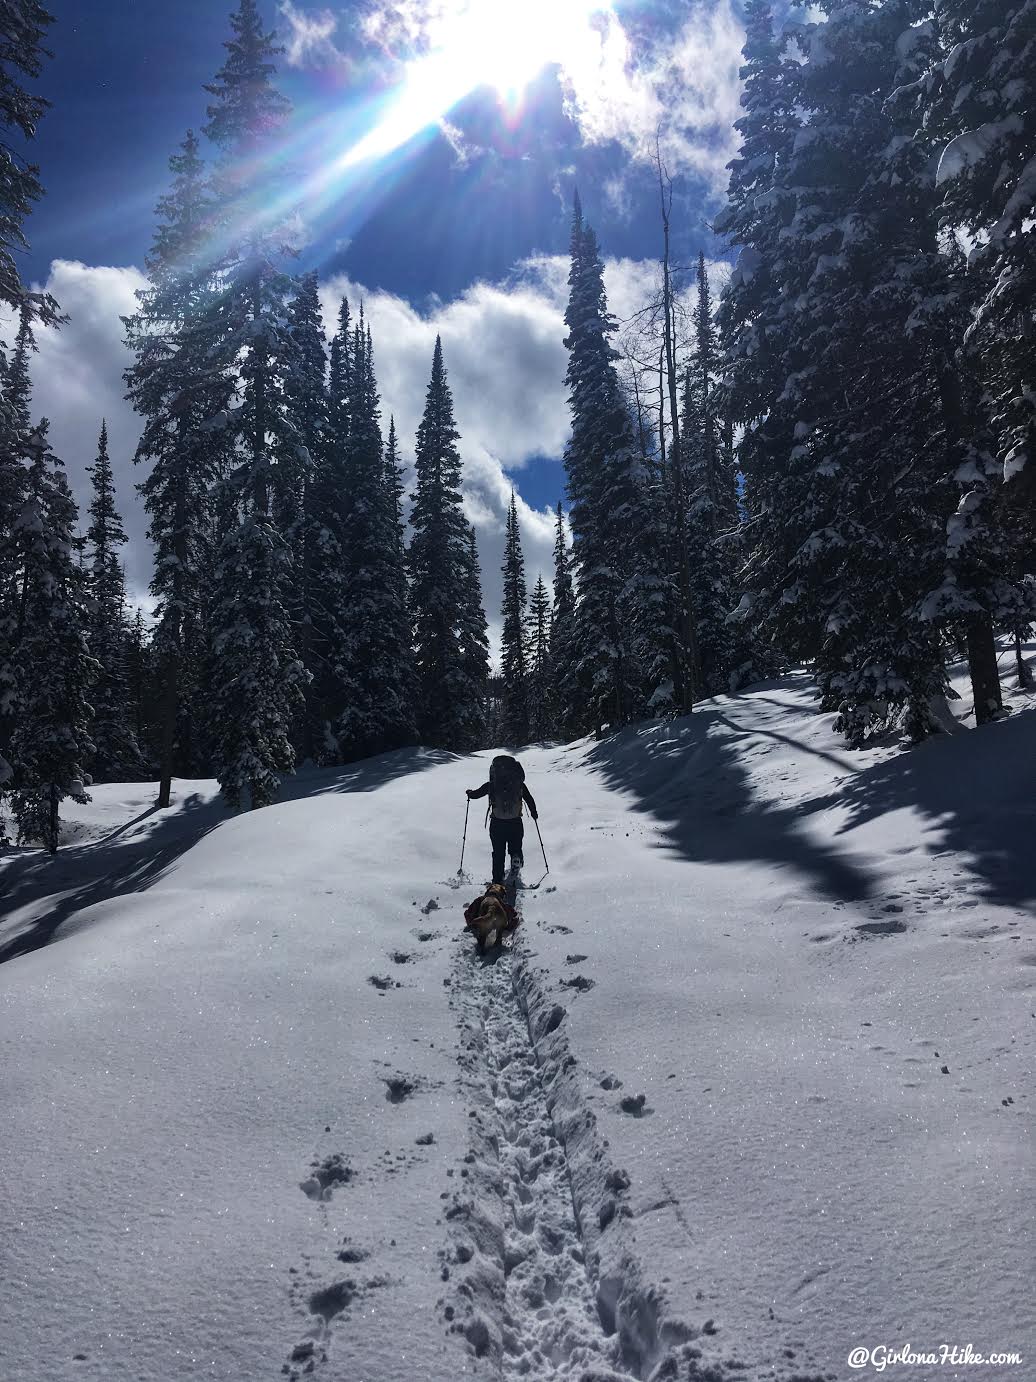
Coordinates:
[506,779]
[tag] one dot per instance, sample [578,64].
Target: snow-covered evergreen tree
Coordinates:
[624,633]
[540,674]
[836,372]
[329,615]
[440,567]
[258,677]
[53,669]
[755,311]
[979,98]
[395,487]
[374,665]
[24,29]
[473,633]
[182,386]
[514,641]
[296,509]
[565,710]
[15,429]
[117,756]
[712,517]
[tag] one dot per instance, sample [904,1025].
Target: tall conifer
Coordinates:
[257,691]
[117,754]
[373,666]
[441,573]
[514,668]
[53,670]
[182,387]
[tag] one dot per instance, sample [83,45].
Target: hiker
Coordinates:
[506,790]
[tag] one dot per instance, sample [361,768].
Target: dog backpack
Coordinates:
[506,779]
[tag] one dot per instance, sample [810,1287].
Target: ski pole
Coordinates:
[536,823]
[465,839]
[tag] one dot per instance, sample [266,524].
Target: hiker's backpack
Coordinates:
[506,779]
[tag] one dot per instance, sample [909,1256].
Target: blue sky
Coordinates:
[461,230]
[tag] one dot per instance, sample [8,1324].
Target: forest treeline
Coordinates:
[833,465]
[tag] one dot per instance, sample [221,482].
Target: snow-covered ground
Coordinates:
[752,1086]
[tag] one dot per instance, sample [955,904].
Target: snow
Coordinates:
[753,1083]
[973,146]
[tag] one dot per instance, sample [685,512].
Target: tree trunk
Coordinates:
[985,677]
[1021,666]
[52,834]
[170,700]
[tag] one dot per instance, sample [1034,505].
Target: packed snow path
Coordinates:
[769,1026]
[528,1295]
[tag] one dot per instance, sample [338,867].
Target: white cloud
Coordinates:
[310,37]
[684,88]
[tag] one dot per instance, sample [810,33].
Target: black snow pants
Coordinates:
[505,834]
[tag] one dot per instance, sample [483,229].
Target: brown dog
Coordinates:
[489,916]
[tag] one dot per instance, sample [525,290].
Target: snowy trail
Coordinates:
[525,1261]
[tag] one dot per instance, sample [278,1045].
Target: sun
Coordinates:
[506,43]
[502,44]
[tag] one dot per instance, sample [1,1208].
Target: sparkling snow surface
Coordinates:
[753,1084]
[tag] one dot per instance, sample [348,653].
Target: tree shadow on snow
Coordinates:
[688,776]
[366,775]
[977,790]
[111,866]
[81,875]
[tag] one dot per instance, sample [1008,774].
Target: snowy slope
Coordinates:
[753,1086]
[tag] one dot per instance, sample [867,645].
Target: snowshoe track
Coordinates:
[544,1282]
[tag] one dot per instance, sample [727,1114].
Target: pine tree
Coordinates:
[473,633]
[53,669]
[299,498]
[540,672]
[515,636]
[440,567]
[257,693]
[978,101]
[566,714]
[329,613]
[394,482]
[117,754]
[974,100]
[25,24]
[183,388]
[624,634]
[755,309]
[374,665]
[712,500]
[15,429]
[140,683]
[834,366]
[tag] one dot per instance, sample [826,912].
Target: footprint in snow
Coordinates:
[398,1088]
[633,1104]
[326,1176]
[578,981]
[380,981]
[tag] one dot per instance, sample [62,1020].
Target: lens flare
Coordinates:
[494,43]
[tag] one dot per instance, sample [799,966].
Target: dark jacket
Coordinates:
[484,791]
